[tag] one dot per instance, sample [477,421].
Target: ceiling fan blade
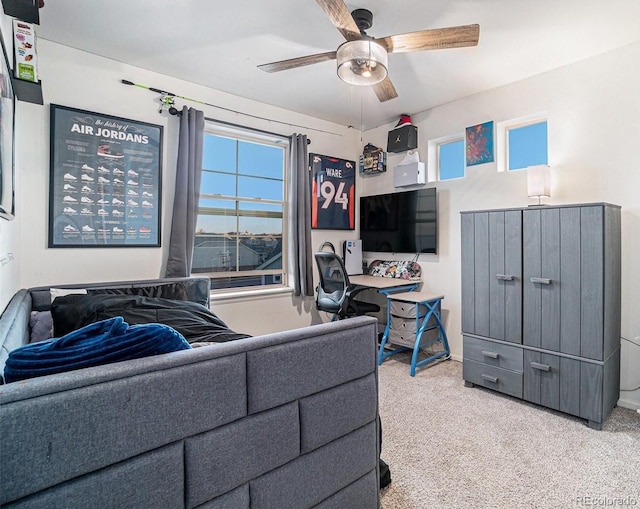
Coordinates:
[292,63]
[341,18]
[437,38]
[385,90]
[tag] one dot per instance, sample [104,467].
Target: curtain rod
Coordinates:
[177,112]
[167,100]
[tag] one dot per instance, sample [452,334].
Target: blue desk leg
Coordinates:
[435,310]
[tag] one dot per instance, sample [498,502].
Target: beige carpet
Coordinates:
[454,447]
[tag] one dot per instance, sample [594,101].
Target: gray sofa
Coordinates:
[286,420]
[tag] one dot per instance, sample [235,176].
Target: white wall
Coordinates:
[9,230]
[593,111]
[81,80]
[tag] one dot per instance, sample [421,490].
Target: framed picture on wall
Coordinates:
[479,144]
[333,191]
[105,183]
[7,109]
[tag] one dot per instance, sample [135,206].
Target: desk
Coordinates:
[384,285]
[409,316]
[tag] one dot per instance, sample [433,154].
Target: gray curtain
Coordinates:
[187,193]
[300,217]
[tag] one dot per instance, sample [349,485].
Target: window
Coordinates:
[527,145]
[241,231]
[451,160]
[445,158]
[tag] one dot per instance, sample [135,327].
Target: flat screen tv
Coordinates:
[405,222]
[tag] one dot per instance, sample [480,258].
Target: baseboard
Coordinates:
[626,403]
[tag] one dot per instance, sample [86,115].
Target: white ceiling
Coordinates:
[219,44]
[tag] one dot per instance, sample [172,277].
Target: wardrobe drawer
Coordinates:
[493,354]
[407,309]
[502,380]
[403,338]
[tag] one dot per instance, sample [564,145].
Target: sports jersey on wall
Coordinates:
[333,193]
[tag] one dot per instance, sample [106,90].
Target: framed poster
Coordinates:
[333,193]
[7,109]
[105,183]
[479,143]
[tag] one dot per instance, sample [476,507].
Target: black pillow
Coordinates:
[181,290]
[194,321]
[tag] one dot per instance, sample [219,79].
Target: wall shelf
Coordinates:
[27,91]
[26,10]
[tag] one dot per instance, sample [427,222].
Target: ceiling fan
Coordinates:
[362,60]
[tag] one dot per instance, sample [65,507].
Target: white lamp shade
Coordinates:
[362,62]
[538,181]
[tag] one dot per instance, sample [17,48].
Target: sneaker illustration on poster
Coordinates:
[132,203]
[87,167]
[68,187]
[87,229]
[132,173]
[86,211]
[117,213]
[115,201]
[147,194]
[68,176]
[69,210]
[131,192]
[118,181]
[118,171]
[86,178]
[70,229]
[144,229]
[86,199]
[87,189]
[146,203]
[132,183]
[69,199]
[117,230]
[103,212]
[102,180]
[105,151]
[102,201]
[103,170]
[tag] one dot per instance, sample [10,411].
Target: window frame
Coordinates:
[247,134]
[433,156]
[502,142]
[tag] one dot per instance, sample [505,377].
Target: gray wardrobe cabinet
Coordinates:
[541,305]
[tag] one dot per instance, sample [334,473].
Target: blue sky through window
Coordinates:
[238,168]
[528,146]
[451,160]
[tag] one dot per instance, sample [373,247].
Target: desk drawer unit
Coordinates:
[407,309]
[499,355]
[498,379]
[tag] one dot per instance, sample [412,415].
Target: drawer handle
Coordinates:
[541,367]
[489,378]
[493,355]
[541,280]
[504,277]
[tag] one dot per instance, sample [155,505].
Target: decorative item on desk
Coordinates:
[538,182]
[373,160]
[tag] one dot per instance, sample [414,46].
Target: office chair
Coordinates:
[334,293]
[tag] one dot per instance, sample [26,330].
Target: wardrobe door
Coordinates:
[491,274]
[541,278]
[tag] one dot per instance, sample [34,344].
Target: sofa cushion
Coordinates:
[176,291]
[40,326]
[194,321]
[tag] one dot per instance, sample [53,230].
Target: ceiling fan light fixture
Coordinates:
[362,62]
